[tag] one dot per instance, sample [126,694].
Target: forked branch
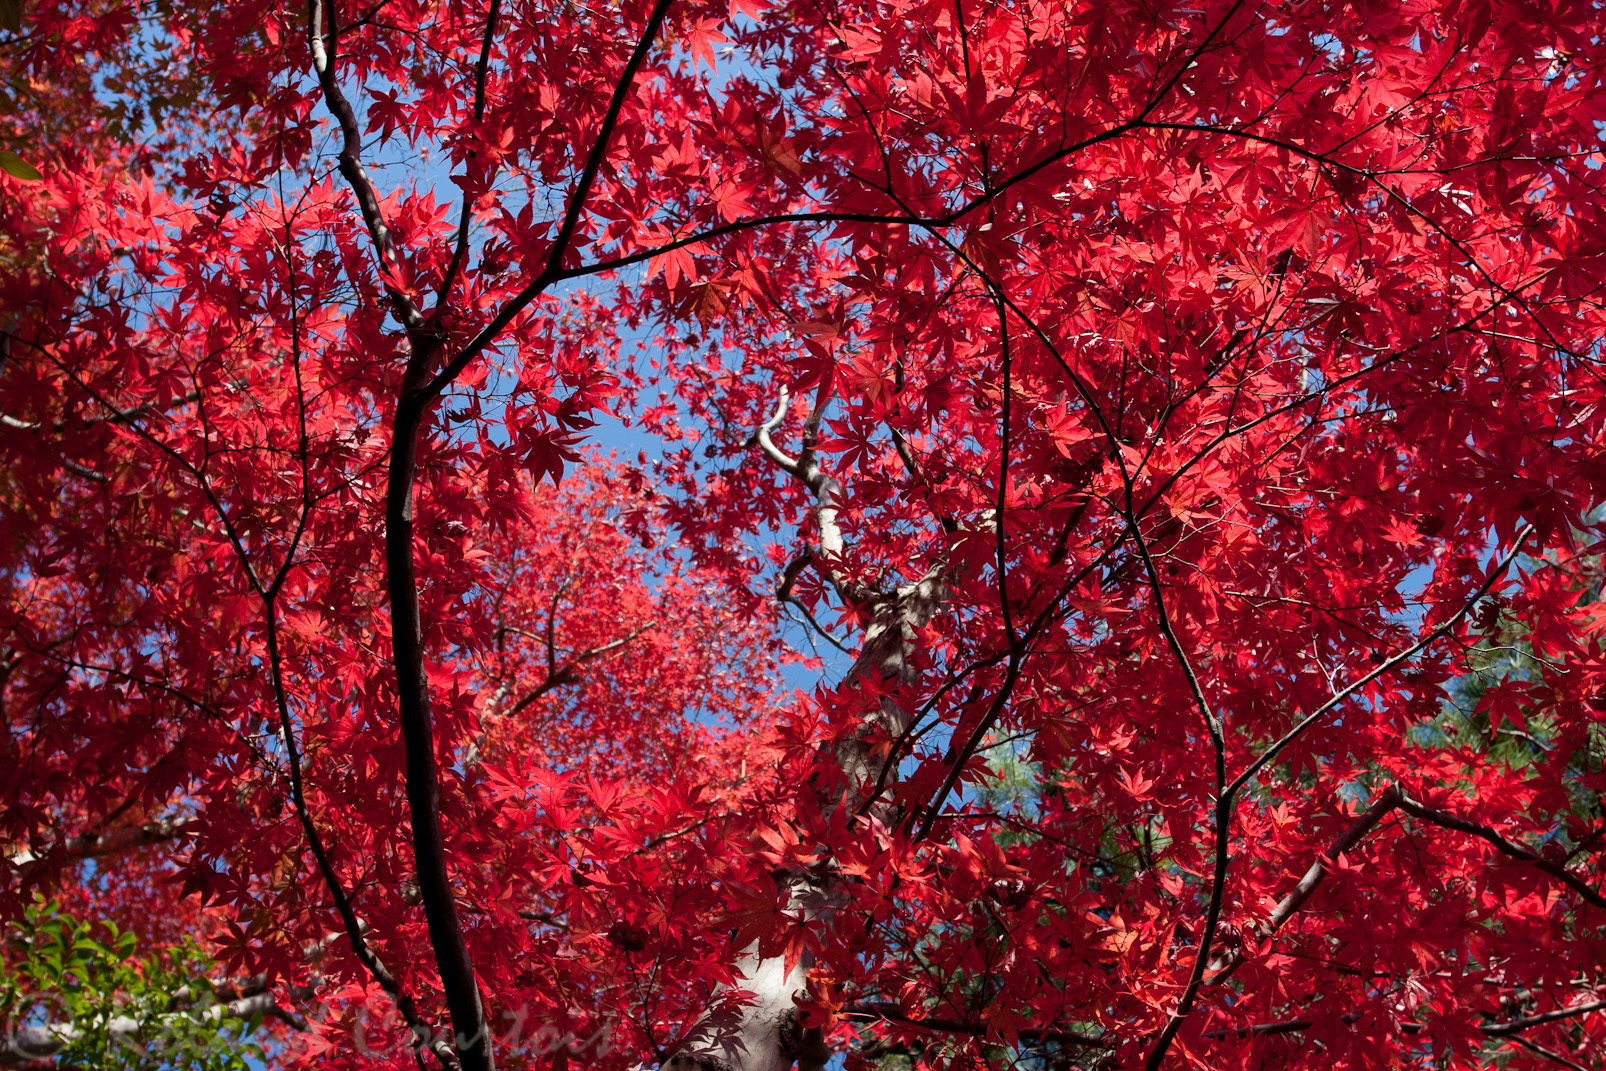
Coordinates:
[822,486]
[569,673]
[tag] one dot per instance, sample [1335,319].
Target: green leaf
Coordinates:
[16,166]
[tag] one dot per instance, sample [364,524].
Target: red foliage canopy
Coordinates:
[1188,417]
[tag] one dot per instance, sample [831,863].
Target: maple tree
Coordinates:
[1186,419]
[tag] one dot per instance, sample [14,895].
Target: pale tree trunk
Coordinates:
[754,1024]
[762,1031]
[102,844]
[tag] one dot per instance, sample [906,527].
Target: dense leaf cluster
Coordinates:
[1186,420]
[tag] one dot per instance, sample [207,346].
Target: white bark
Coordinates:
[100,845]
[888,644]
[754,1025]
[31,1043]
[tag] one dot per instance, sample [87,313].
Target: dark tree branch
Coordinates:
[418,392]
[784,596]
[1226,795]
[569,674]
[1388,665]
[351,166]
[1373,178]
[1495,1031]
[452,957]
[1222,818]
[892,1013]
[423,1035]
[460,251]
[119,416]
[1516,1026]
[554,272]
[1396,798]
[1504,846]
[1549,1054]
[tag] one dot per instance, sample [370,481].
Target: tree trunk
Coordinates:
[763,1032]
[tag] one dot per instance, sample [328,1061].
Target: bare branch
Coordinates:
[762,437]
[808,472]
[826,491]
[569,674]
[823,486]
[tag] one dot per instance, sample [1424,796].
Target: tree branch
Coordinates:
[1516,1026]
[129,838]
[1396,798]
[783,595]
[762,437]
[351,167]
[1549,1054]
[423,1035]
[39,1044]
[1386,666]
[1226,795]
[569,674]
[553,272]
[825,489]
[452,957]
[893,1013]
[460,250]
[1504,846]
[1312,879]
[1494,1031]
[1223,808]
[418,393]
